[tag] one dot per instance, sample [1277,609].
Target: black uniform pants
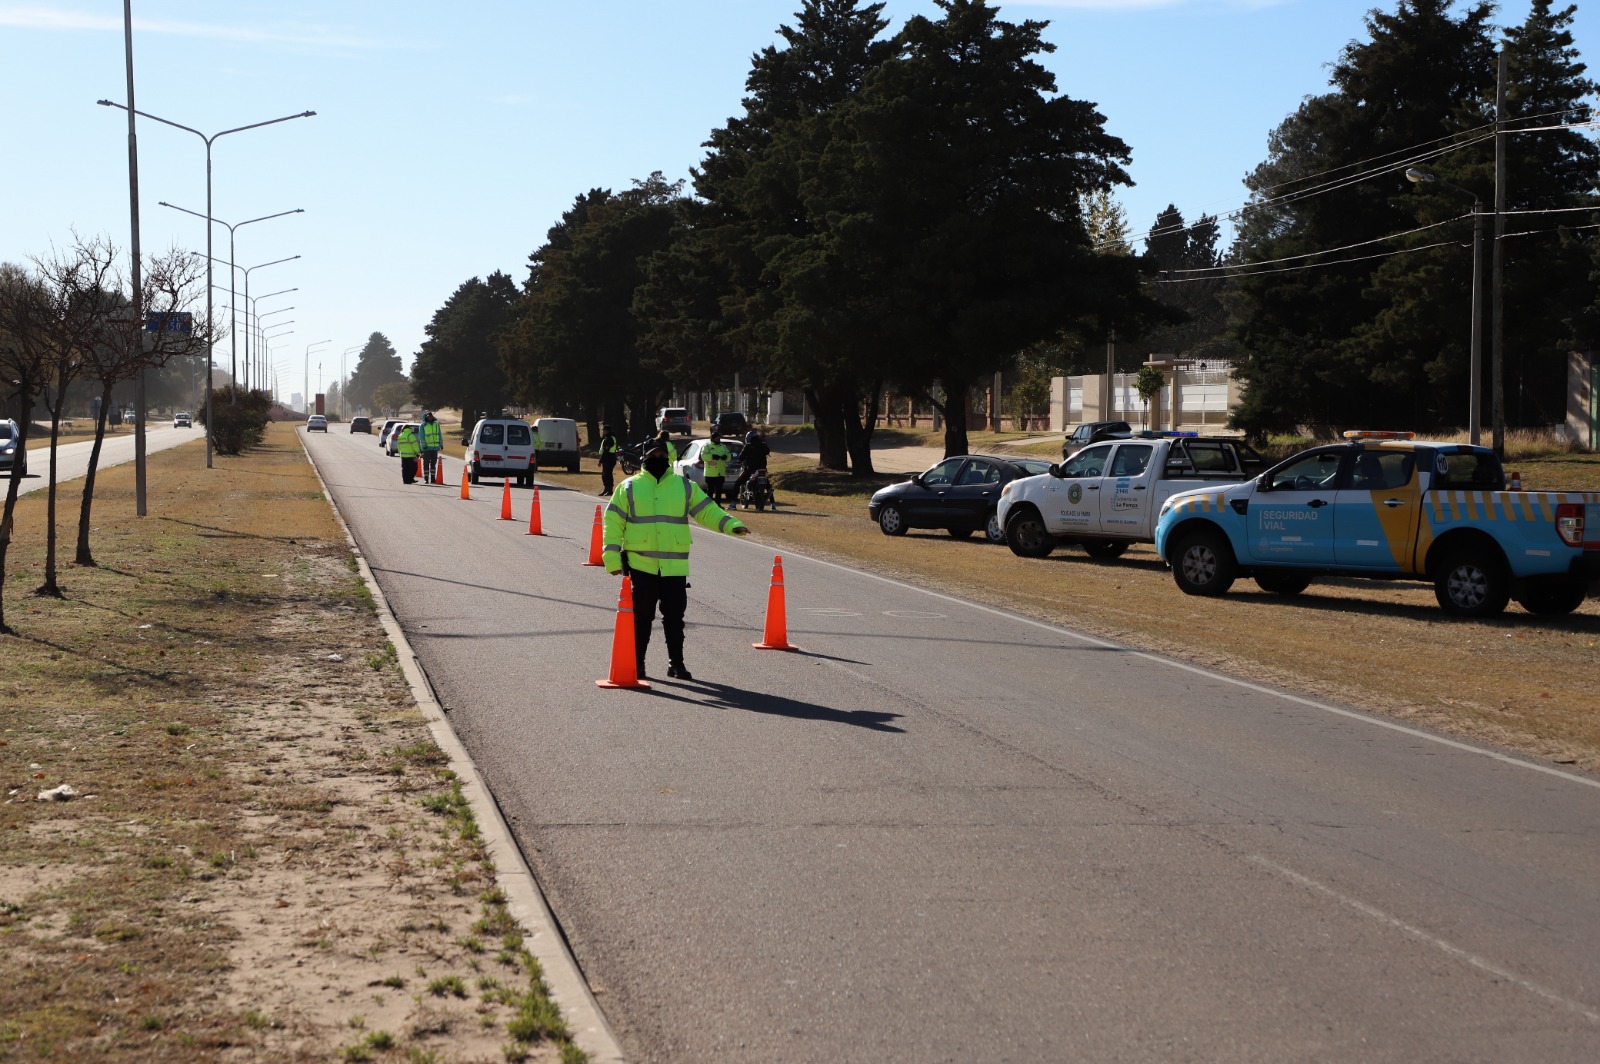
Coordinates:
[430,459]
[671,594]
[408,470]
[714,488]
[606,467]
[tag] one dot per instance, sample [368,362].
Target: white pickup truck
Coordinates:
[1106,497]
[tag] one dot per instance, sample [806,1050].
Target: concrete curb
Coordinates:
[525,901]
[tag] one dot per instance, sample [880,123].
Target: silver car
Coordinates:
[693,467]
[12,452]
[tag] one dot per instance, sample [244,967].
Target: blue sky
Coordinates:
[449,137]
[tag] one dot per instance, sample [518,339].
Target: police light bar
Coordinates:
[1371,434]
[1153,434]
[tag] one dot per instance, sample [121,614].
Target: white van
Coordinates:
[501,447]
[558,442]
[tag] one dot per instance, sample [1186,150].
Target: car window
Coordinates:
[943,473]
[1382,470]
[1132,460]
[5,432]
[517,432]
[979,473]
[1031,467]
[1089,462]
[1468,469]
[1317,470]
[693,453]
[491,433]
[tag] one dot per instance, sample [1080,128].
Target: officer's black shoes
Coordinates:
[678,671]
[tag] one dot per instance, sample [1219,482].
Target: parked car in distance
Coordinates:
[361,424]
[390,426]
[182,420]
[1093,432]
[674,419]
[692,465]
[12,453]
[392,447]
[317,423]
[958,495]
[501,447]
[731,423]
[558,442]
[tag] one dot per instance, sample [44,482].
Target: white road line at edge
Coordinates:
[1420,935]
[1208,674]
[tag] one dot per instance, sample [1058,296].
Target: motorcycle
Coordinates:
[630,457]
[756,491]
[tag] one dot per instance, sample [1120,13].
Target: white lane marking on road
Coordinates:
[1432,940]
[1493,755]
[828,611]
[916,615]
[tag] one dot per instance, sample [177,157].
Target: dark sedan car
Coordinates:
[1093,432]
[958,495]
[361,424]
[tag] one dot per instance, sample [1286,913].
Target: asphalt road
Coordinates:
[940,832]
[72,459]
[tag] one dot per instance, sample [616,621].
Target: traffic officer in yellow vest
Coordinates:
[715,457]
[647,537]
[608,459]
[432,443]
[407,447]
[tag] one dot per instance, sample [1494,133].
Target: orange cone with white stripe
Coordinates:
[776,636]
[505,500]
[465,494]
[624,662]
[419,470]
[438,470]
[597,537]
[535,524]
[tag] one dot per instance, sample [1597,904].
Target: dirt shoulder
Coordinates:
[262,855]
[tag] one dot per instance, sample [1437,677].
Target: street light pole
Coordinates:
[309,346]
[1475,361]
[344,384]
[210,344]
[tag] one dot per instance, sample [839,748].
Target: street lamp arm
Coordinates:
[196,132]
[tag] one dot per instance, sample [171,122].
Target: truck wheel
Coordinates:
[960,533]
[992,530]
[1106,549]
[1027,537]
[892,521]
[1471,583]
[1285,584]
[1553,602]
[1203,563]
[473,475]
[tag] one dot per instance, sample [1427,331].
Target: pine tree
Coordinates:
[459,364]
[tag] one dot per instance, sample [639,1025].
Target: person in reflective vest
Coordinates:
[647,537]
[407,447]
[715,457]
[608,459]
[664,438]
[432,443]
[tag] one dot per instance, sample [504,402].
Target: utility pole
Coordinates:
[1497,301]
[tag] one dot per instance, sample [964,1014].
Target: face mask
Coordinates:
[656,465]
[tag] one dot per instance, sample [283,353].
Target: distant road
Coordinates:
[72,459]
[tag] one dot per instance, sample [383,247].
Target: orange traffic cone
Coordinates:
[438,470]
[465,494]
[776,636]
[419,470]
[597,536]
[505,500]
[535,526]
[624,664]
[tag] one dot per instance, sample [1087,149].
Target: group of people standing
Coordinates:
[410,444]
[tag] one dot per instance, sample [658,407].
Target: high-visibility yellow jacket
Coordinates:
[406,445]
[432,436]
[649,519]
[716,457]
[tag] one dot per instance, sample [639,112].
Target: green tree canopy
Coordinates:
[459,363]
[378,364]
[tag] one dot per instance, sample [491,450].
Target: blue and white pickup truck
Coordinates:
[1383,506]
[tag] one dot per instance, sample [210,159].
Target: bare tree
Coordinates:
[25,364]
[171,283]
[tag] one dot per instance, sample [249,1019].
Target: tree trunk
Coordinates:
[858,432]
[828,418]
[84,557]
[50,588]
[954,409]
[13,485]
